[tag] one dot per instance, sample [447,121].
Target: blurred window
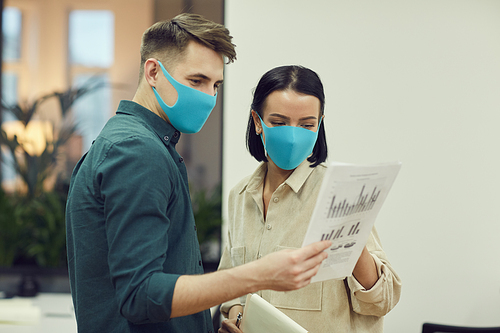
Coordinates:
[11,29]
[11,53]
[91,55]
[91,38]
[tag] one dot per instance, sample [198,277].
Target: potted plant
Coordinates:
[33,222]
[207,209]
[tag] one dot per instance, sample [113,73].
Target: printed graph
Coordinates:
[339,232]
[362,203]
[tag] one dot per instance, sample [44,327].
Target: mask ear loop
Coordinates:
[262,124]
[319,124]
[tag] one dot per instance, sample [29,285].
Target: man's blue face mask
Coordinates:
[288,146]
[192,108]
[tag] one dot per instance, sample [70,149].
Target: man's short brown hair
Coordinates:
[167,40]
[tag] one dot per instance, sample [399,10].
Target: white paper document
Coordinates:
[262,317]
[349,200]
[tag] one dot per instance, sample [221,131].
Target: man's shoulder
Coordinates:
[125,130]
[125,125]
[130,142]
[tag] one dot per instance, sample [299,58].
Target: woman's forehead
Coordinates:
[291,104]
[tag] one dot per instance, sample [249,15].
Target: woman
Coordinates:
[270,210]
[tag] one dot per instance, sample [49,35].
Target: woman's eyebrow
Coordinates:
[279,116]
[288,118]
[309,117]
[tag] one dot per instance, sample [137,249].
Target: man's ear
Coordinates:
[151,71]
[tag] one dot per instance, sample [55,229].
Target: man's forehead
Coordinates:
[201,60]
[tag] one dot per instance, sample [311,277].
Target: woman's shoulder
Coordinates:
[320,170]
[250,182]
[240,186]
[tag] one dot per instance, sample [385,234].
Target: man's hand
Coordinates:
[291,269]
[284,270]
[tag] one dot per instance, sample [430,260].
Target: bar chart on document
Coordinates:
[350,203]
[349,200]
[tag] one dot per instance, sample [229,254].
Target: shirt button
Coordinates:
[269,227]
[199,262]
[166,138]
[276,199]
[176,134]
[259,256]
[181,159]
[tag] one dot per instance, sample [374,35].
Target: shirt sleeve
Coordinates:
[384,295]
[135,186]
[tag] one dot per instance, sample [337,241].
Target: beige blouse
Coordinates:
[329,306]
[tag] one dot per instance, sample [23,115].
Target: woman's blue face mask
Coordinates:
[288,146]
[192,108]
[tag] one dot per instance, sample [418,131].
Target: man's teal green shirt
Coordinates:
[130,228]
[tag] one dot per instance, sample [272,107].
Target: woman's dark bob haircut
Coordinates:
[296,78]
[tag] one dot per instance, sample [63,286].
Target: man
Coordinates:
[133,254]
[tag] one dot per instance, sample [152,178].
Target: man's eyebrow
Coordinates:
[288,118]
[204,77]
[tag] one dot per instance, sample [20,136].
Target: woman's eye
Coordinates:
[277,123]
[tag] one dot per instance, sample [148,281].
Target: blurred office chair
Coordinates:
[437,328]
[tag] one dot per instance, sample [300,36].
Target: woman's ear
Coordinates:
[256,121]
[151,70]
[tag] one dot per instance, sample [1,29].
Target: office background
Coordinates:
[415,81]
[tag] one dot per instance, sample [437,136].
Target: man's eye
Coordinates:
[195,81]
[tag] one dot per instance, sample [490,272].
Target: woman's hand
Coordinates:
[229,326]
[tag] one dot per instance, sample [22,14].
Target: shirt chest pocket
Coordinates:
[308,298]
[238,255]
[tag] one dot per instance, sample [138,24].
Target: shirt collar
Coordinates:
[164,130]
[294,181]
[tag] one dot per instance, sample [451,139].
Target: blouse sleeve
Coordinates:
[384,295]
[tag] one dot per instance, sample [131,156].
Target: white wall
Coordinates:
[416,81]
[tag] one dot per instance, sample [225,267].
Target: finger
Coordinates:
[228,326]
[308,274]
[309,268]
[313,261]
[314,249]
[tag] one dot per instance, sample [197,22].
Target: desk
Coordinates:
[57,316]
